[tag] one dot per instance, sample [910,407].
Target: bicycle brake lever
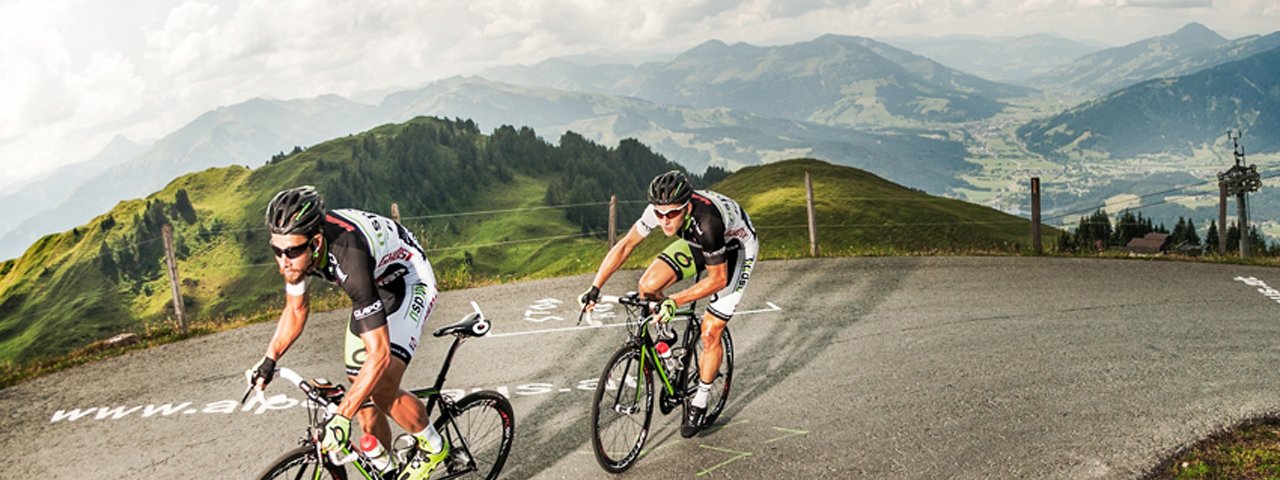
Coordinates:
[246,394]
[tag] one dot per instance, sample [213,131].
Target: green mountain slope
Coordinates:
[860,213]
[695,138]
[495,207]
[1171,115]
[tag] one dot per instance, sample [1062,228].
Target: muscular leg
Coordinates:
[712,349]
[656,279]
[409,412]
[372,421]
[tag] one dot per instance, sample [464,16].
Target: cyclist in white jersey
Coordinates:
[716,237]
[383,269]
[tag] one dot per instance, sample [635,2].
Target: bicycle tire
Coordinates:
[486,422]
[304,461]
[617,458]
[719,387]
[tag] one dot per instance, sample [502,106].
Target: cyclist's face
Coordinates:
[293,255]
[671,217]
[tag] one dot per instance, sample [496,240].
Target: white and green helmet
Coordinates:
[296,211]
[671,188]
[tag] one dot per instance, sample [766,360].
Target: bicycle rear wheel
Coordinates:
[302,462]
[719,386]
[479,435]
[621,410]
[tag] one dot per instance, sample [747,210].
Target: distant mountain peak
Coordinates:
[1197,35]
[709,47]
[715,50]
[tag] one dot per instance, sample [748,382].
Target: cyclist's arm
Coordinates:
[377,345]
[714,281]
[292,320]
[618,254]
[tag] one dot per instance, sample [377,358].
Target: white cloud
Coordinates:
[75,72]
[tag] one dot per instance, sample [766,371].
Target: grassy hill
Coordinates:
[511,209]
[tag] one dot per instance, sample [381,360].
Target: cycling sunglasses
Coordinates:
[291,252]
[673,213]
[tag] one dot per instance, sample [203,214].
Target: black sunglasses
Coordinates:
[291,252]
[669,213]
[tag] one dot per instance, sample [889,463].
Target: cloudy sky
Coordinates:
[75,73]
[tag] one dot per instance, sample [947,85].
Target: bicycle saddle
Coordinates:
[473,325]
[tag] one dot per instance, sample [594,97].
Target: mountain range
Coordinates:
[832,80]
[1177,115]
[741,125]
[847,99]
[1191,48]
[1014,59]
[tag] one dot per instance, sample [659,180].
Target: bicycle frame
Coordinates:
[327,397]
[641,337]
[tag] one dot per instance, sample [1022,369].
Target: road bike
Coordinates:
[622,407]
[479,427]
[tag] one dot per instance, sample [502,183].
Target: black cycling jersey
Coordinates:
[355,239]
[716,226]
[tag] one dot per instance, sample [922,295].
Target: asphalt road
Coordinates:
[846,368]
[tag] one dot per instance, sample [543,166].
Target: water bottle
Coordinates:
[378,456]
[663,346]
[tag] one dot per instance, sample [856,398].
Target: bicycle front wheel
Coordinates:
[480,428]
[719,386]
[621,410]
[302,462]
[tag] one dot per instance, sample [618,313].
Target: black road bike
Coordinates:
[479,427]
[623,403]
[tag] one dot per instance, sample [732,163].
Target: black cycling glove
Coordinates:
[592,295]
[265,370]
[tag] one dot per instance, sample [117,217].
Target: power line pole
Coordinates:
[1239,180]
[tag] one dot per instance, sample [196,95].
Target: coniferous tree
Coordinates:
[1211,237]
[1257,244]
[1233,238]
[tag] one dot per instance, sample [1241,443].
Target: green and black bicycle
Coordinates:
[623,404]
[479,427]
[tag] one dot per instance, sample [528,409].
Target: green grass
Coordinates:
[1251,451]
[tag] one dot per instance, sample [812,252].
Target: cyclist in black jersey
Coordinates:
[715,237]
[383,269]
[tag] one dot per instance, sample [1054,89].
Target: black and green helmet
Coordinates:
[296,211]
[671,188]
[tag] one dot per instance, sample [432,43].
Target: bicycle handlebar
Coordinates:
[330,408]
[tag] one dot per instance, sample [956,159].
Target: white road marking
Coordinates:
[772,308]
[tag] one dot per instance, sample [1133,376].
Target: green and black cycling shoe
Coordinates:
[423,463]
[693,421]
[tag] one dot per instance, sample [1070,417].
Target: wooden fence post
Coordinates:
[1035,216]
[613,220]
[172,261]
[395,212]
[813,223]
